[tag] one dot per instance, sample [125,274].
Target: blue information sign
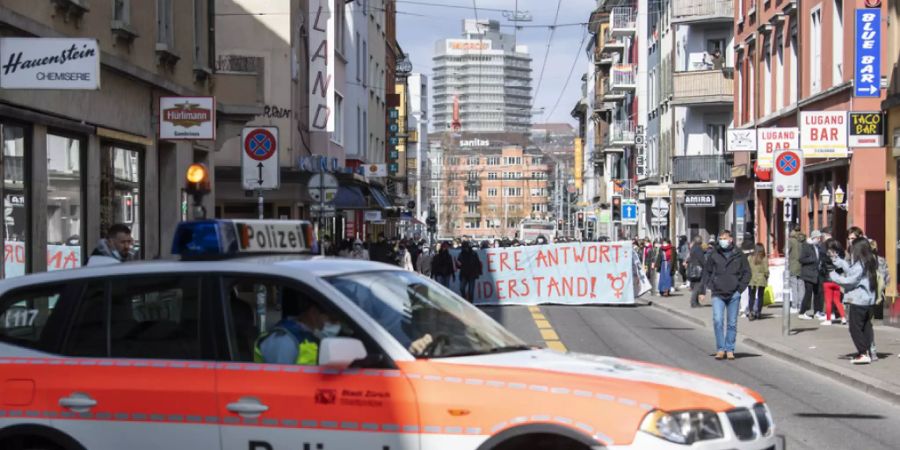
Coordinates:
[629,211]
[867,72]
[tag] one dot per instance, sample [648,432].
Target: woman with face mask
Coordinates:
[358,252]
[666,262]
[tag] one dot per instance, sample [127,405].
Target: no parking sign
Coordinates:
[259,158]
[788,180]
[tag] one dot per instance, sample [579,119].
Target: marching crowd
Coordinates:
[829,281]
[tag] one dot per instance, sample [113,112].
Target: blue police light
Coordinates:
[205,239]
[210,239]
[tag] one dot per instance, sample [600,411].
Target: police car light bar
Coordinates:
[204,239]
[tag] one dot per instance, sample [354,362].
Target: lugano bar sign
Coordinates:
[49,63]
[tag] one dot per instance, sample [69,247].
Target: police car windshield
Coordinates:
[411,308]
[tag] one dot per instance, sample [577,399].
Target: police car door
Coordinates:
[298,407]
[141,375]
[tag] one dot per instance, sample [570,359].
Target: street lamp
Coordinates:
[839,196]
[826,196]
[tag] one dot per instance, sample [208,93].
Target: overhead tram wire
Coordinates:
[571,71]
[537,90]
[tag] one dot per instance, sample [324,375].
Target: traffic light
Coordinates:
[197,184]
[580,220]
[617,208]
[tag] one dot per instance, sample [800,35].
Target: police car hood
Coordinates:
[618,372]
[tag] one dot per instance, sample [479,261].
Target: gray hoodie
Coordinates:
[855,282]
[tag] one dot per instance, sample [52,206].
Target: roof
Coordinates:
[554,127]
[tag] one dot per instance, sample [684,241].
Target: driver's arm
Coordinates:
[419,345]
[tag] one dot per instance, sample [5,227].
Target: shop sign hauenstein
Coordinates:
[49,63]
[866,129]
[187,118]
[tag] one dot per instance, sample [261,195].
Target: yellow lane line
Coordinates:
[548,334]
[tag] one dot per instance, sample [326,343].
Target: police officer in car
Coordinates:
[295,338]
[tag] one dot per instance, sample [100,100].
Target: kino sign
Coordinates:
[321,65]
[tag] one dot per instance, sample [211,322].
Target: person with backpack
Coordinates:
[859,280]
[759,279]
[695,263]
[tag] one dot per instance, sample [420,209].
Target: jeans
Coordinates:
[757,294]
[861,328]
[811,298]
[467,288]
[697,289]
[444,280]
[726,333]
[797,291]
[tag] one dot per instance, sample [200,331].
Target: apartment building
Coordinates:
[795,59]
[78,160]
[891,107]
[690,90]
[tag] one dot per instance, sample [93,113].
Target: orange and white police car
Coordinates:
[174,354]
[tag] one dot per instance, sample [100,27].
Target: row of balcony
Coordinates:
[701,169]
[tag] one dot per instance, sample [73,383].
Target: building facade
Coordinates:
[794,60]
[418,164]
[488,75]
[77,161]
[891,107]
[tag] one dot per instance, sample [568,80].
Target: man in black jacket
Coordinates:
[382,252]
[727,275]
[469,271]
[811,258]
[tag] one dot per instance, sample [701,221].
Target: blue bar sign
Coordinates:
[867,73]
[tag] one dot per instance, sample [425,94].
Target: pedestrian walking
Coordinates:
[404,258]
[382,251]
[470,270]
[884,279]
[695,265]
[649,256]
[796,284]
[423,265]
[727,274]
[859,281]
[832,291]
[442,267]
[665,265]
[358,251]
[811,266]
[684,252]
[114,248]
[759,279]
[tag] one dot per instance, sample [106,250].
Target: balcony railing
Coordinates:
[687,11]
[704,87]
[701,169]
[621,77]
[621,132]
[623,20]
[610,42]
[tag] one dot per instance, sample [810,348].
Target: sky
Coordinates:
[422,22]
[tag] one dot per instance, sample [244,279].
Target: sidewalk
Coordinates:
[822,349]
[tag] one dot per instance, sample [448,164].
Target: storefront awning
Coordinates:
[350,197]
[380,197]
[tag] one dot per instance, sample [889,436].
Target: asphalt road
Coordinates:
[811,411]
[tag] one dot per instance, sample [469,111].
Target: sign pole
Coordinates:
[260,203]
[786,279]
[321,212]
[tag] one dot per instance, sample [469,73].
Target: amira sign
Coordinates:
[321,65]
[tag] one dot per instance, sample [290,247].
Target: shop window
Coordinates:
[121,190]
[64,205]
[15,215]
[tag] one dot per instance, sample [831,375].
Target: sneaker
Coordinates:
[804,317]
[861,359]
[795,310]
[873,353]
[820,315]
[720,355]
[825,322]
[730,356]
[843,321]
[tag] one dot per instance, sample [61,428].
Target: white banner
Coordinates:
[823,134]
[376,170]
[771,139]
[321,65]
[49,63]
[59,257]
[570,274]
[187,118]
[741,140]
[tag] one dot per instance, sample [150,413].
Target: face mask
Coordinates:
[330,329]
[724,243]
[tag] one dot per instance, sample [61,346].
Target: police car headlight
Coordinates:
[683,427]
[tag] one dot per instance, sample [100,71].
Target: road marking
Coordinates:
[548,334]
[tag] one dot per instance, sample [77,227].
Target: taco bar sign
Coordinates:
[187,118]
[49,63]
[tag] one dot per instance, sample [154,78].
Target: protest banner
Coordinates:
[584,273]
[59,257]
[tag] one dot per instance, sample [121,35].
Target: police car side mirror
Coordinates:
[340,352]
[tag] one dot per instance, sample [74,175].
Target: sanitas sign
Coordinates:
[49,63]
[187,118]
[866,129]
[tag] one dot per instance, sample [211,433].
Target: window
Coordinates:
[15,213]
[122,11]
[24,316]
[147,317]
[359,60]
[452,192]
[513,192]
[837,39]
[492,175]
[493,161]
[535,192]
[365,66]
[492,192]
[121,188]
[200,32]
[338,135]
[815,52]
[779,72]
[794,67]
[473,175]
[767,83]
[716,135]
[64,205]
[165,24]
[339,27]
[473,224]
[751,84]
[472,209]
[454,161]
[473,160]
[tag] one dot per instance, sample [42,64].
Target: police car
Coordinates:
[169,355]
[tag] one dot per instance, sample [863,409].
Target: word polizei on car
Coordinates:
[170,354]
